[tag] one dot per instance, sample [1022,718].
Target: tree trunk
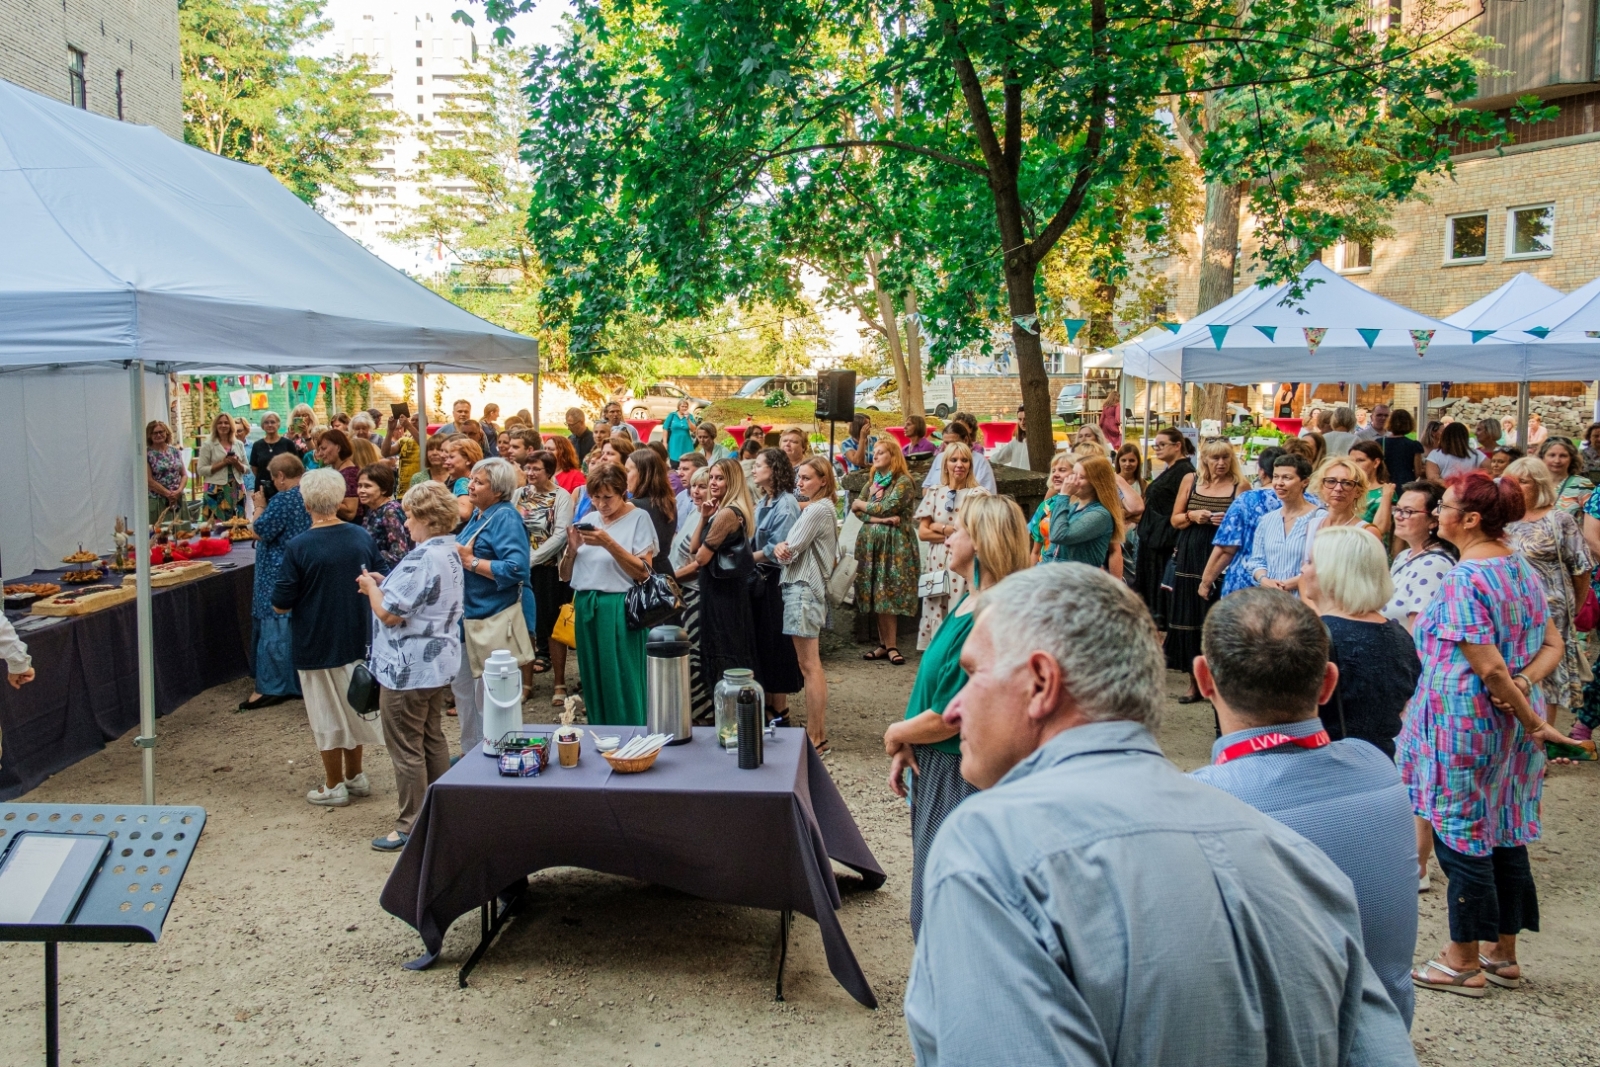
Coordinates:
[912,400]
[1038,408]
[891,333]
[1218,260]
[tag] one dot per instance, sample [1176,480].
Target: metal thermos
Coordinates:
[666,652]
[751,754]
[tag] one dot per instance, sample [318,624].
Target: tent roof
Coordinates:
[1519,297]
[125,244]
[1263,338]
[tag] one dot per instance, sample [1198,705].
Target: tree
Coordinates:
[312,122]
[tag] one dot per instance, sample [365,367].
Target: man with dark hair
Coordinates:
[1091,904]
[688,463]
[579,434]
[1265,668]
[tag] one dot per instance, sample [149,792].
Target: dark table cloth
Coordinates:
[693,822]
[87,690]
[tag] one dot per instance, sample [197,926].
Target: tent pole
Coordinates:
[1422,409]
[1524,395]
[1183,396]
[1148,385]
[422,401]
[146,741]
[536,422]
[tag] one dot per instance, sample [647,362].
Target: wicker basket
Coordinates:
[631,766]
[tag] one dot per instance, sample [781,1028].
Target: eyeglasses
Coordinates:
[1451,507]
[1339,483]
[1407,513]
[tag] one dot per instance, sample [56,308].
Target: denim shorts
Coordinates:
[804,613]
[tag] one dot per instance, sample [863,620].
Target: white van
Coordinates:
[880,394]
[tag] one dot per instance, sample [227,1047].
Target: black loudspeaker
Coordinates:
[836,395]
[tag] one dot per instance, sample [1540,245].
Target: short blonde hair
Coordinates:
[323,490]
[1320,475]
[1352,569]
[431,504]
[1534,469]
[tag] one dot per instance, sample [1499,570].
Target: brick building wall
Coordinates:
[137,37]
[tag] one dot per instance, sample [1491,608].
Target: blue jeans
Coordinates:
[275,675]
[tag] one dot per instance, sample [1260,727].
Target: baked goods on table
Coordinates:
[163,575]
[83,577]
[85,600]
[81,556]
[35,588]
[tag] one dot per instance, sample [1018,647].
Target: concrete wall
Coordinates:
[137,37]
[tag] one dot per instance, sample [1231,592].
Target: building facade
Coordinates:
[117,58]
[424,54]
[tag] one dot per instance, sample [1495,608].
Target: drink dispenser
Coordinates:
[668,710]
[502,698]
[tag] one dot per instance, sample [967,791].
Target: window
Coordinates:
[77,77]
[1466,238]
[119,94]
[419,61]
[419,44]
[419,79]
[1530,231]
[1351,257]
[419,98]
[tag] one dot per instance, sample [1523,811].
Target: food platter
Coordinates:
[81,556]
[87,576]
[34,589]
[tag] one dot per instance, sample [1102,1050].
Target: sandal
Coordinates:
[896,658]
[821,747]
[1456,983]
[1492,969]
[881,652]
[559,698]
[541,664]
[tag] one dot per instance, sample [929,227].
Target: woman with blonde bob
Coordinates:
[989,542]
[1342,486]
[936,518]
[1086,522]
[1548,537]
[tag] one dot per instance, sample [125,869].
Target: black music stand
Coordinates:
[127,898]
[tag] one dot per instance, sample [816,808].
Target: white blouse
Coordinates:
[594,568]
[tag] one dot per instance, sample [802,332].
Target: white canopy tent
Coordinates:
[1521,296]
[131,254]
[1563,337]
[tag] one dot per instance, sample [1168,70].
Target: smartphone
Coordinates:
[400,411]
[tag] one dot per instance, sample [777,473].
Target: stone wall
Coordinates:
[139,39]
[1562,416]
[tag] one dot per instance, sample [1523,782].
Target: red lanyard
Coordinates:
[1267,742]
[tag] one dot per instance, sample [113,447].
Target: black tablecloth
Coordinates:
[87,690]
[693,822]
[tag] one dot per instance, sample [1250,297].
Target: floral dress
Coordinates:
[387,525]
[1470,769]
[223,500]
[887,560]
[1573,493]
[940,504]
[1555,548]
[1039,525]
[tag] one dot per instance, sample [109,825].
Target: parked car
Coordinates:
[882,394]
[794,385]
[659,401]
[1069,403]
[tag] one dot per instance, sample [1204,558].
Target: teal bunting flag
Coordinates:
[1478,335]
[1217,334]
[1270,332]
[1171,327]
[1073,326]
[1369,336]
[1538,331]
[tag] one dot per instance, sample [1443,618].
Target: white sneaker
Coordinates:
[337,797]
[359,786]
[1424,883]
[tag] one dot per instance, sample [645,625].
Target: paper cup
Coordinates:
[568,751]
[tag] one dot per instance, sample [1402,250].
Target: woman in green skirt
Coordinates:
[989,542]
[608,551]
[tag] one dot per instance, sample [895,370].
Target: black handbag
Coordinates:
[362,692]
[652,601]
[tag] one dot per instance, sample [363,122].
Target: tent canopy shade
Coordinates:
[1517,298]
[125,244]
[1569,348]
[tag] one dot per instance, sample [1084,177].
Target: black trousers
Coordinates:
[1489,895]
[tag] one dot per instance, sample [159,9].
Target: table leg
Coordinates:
[785,919]
[493,916]
[52,1034]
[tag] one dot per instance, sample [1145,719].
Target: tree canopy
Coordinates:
[247,94]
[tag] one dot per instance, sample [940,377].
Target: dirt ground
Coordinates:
[277,952]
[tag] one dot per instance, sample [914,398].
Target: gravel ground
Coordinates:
[277,952]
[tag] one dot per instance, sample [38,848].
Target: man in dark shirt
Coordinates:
[579,434]
[263,451]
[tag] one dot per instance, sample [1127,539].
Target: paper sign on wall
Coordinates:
[239,398]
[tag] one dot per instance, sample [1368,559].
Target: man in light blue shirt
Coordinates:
[1266,671]
[1093,905]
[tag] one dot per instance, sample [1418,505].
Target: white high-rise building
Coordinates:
[424,54]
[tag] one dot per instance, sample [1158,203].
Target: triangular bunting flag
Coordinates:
[1170,327]
[1478,335]
[187,386]
[1538,331]
[1369,336]
[1270,332]
[1073,326]
[1591,333]
[1027,322]
[282,378]
[1314,335]
[1217,334]
[1419,341]
[294,383]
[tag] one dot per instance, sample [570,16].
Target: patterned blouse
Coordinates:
[284,519]
[387,525]
[1554,547]
[1418,577]
[1471,770]
[166,466]
[426,590]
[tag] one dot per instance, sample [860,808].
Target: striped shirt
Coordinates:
[814,539]
[1281,553]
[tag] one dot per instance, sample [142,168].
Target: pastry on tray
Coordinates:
[36,589]
[81,556]
[177,572]
[83,577]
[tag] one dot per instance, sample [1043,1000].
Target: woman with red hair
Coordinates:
[1471,752]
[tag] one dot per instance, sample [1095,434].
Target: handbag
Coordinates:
[652,601]
[842,582]
[933,583]
[1588,615]
[362,692]
[564,630]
